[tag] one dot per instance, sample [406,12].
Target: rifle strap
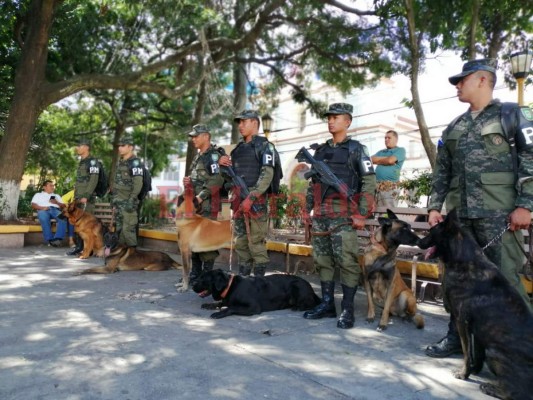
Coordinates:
[327,233]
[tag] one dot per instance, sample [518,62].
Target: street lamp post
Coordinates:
[267,124]
[521,65]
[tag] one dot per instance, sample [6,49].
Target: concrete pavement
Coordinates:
[131,336]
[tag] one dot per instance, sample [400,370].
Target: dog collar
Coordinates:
[225,292]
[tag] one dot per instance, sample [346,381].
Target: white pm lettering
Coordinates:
[528,135]
[93,170]
[269,160]
[136,171]
[367,164]
[214,168]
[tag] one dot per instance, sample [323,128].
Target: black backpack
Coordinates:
[103,185]
[147,180]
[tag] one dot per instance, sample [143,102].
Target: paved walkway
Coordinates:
[131,336]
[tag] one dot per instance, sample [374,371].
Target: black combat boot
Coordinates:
[245,270]
[448,345]
[76,251]
[260,269]
[196,268]
[326,309]
[347,318]
[208,265]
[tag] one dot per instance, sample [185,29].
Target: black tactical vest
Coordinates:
[338,160]
[245,163]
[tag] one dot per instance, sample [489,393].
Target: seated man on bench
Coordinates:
[46,211]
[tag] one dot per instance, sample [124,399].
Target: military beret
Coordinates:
[197,129]
[339,108]
[246,114]
[484,64]
[125,140]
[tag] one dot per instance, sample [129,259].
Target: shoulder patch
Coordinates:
[527,113]
[215,156]
[135,163]
[271,147]
[440,143]
[365,150]
[93,162]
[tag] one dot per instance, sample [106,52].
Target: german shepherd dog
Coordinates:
[383,282]
[197,234]
[238,295]
[494,322]
[88,227]
[124,258]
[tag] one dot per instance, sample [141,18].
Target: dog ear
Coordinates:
[385,221]
[391,215]
[451,222]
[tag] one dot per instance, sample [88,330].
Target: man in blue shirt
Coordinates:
[389,163]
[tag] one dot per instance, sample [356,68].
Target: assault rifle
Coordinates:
[323,173]
[241,185]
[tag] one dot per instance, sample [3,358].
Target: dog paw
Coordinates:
[460,374]
[370,320]
[218,315]
[381,328]
[490,390]
[182,289]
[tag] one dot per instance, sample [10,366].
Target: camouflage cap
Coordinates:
[197,129]
[483,64]
[246,114]
[339,108]
[125,140]
[84,142]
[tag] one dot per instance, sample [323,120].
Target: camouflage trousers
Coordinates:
[337,250]
[207,256]
[252,249]
[126,222]
[505,253]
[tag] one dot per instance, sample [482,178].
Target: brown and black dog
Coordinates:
[383,282]
[88,227]
[123,258]
[197,234]
[494,322]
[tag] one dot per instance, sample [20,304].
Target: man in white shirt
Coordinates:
[46,210]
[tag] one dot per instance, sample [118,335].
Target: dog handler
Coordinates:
[349,161]
[126,188]
[257,170]
[207,182]
[474,174]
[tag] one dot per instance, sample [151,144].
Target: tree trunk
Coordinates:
[198,114]
[414,48]
[473,30]
[239,80]
[26,105]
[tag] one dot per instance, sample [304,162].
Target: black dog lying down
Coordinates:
[253,295]
[493,320]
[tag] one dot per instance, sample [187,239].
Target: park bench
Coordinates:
[102,211]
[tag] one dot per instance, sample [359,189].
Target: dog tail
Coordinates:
[176,265]
[419,321]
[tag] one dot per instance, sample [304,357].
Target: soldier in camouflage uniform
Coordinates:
[126,188]
[207,182]
[474,173]
[86,181]
[252,159]
[349,161]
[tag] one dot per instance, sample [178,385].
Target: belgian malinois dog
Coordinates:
[197,234]
[494,322]
[383,282]
[88,227]
[123,258]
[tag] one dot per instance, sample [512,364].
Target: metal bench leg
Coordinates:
[422,293]
[413,274]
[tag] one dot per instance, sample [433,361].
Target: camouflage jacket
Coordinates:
[474,170]
[86,178]
[205,176]
[127,185]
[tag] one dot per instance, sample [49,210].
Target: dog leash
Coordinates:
[497,237]
[327,233]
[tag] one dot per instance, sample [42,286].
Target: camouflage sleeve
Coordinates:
[310,197]
[213,183]
[368,189]
[524,185]
[263,182]
[442,175]
[91,185]
[137,186]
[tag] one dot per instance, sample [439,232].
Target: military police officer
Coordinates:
[252,159]
[86,181]
[474,173]
[126,188]
[206,180]
[337,246]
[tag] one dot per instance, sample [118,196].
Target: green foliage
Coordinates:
[150,212]
[416,187]
[24,204]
